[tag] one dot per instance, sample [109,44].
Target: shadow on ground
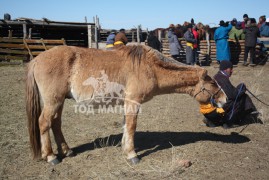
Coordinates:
[151,142]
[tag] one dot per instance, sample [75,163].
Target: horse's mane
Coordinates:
[139,53]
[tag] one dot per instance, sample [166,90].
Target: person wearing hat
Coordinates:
[174,45]
[236,33]
[244,22]
[120,38]
[190,42]
[239,108]
[251,34]
[153,41]
[264,27]
[238,105]
[221,38]
[110,40]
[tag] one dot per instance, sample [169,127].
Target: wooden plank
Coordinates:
[11,51]
[53,41]
[36,47]
[6,45]
[33,41]
[35,53]
[9,57]
[46,41]
[11,40]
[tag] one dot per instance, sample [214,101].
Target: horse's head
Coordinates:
[207,91]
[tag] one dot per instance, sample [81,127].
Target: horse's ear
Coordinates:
[202,73]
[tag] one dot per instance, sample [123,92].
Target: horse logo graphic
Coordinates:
[104,90]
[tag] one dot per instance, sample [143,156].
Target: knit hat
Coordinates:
[245,16]
[225,65]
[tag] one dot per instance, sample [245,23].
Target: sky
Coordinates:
[150,14]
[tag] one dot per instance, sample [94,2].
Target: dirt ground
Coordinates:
[169,129]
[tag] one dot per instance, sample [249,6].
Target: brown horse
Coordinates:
[70,72]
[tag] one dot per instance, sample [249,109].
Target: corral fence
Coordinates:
[25,49]
[24,38]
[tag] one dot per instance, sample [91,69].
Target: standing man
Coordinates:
[120,38]
[153,41]
[190,41]
[174,45]
[264,27]
[195,45]
[245,21]
[252,32]
[221,38]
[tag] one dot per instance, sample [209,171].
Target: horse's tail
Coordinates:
[33,110]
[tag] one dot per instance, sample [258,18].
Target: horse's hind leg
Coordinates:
[45,120]
[63,148]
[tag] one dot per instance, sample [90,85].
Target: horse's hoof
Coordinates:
[135,160]
[54,161]
[70,153]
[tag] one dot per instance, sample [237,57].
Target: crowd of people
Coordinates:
[248,30]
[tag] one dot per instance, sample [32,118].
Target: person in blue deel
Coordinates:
[221,36]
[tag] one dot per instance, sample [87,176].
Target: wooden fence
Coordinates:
[25,49]
[12,49]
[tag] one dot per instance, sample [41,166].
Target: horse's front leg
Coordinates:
[131,111]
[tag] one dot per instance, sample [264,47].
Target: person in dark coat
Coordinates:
[190,41]
[252,32]
[153,41]
[239,108]
[238,105]
[174,44]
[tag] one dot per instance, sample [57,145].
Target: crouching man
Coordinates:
[239,108]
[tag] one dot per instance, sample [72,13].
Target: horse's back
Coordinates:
[52,71]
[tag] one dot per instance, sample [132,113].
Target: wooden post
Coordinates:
[133,36]
[89,36]
[30,33]
[138,34]
[24,28]
[160,35]
[10,34]
[208,43]
[96,32]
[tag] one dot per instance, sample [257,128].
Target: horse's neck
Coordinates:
[181,81]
